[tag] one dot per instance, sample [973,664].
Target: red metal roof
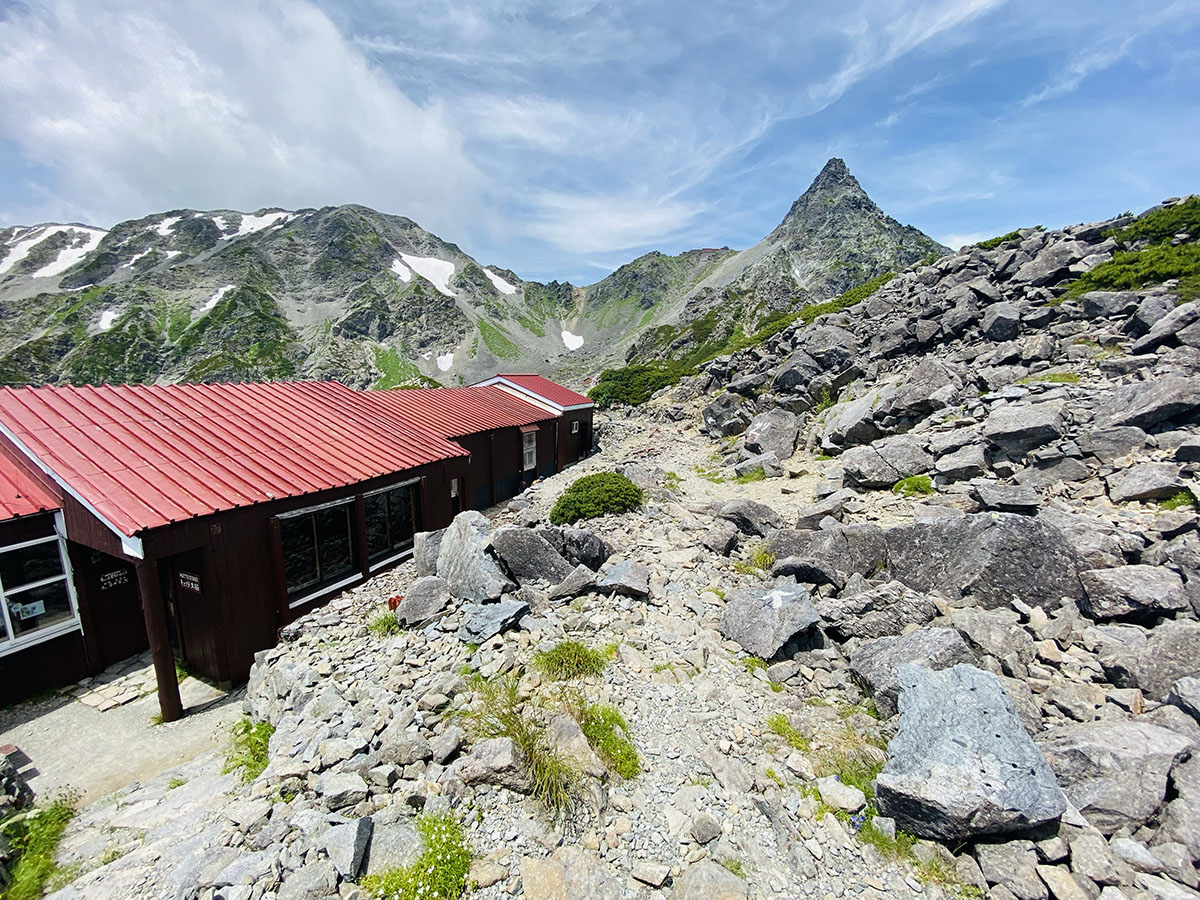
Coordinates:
[144,456]
[455,412]
[20,493]
[542,387]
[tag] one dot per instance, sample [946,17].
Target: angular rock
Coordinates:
[1115,773]
[626,577]
[1018,428]
[773,432]
[885,462]
[751,517]
[838,795]
[875,664]
[470,571]
[962,464]
[392,847]
[727,415]
[1185,694]
[312,881]
[807,570]
[529,556]
[1145,481]
[583,547]
[1012,864]
[1112,443]
[569,872]
[401,747]
[721,537]
[579,581]
[494,761]
[877,612]
[809,517]
[767,462]
[1155,661]
[1167,327]
[346,846]
[1148,403]
[483,620]
[1000,322]
[1131,590]
[708,880]
[961,764]
[341,789]
[426,546]
[1006,497]
[1062,883]
[996,633]
[763,620]
[426,599]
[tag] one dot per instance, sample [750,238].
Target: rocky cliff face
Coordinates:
[367,298]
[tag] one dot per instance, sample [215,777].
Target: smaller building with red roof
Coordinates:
[574,411]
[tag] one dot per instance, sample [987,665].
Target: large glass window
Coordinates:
[37,597]
[393,517]
[319,548]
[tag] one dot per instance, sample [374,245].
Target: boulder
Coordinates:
[464,561]
[580,581]
[483,620]
[860,548]
[1014,498]
[427,598]
[961,764]
[1167,327]
[877,612]
[626,577]
[1013,865]
[494,761]
[1185,694]
[767,462]
[392,846]
[709,880]
[762,621]
[1000,322]
[1131,590]
[809,517]
[1147,403]
[341,789]
[996,633]
[1112,443]
[1153,661]
[528,555]
[807,570]
[426,546]
[773,432]
[886,461]
[727,415]
[583,547]
[346,846]
[751,517]
[874,663]
[720,537]
[1114,772]
[312,881]
[838,795]
[1017,428]
[569,872]
[400,747]
[832,347]
[1145,481]
[962,464]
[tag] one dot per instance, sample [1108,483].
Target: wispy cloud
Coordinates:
[1081,67]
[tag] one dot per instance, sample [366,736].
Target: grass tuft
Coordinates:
[384,625]
[710,475]
[914,486]
[608,733]
[898,848]
[1052,378]
[1182,500]
[439,873]
[779,724]
[248,748]
[555,782]
[567,660]
[758,473]
[750,663]
[35,837]
[735,866]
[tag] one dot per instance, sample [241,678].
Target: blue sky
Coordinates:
[563,139]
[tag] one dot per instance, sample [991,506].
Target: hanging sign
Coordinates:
[189,582]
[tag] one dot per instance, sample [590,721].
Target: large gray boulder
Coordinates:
[997,633]
[874,664]
[1115,772]
[1145,481]
[483,620]
[426,546]
[876,612]
[627,577]
[427,597]
[466,563]
[886,461]
[1167,327]
[1131,590]
[992,557]
[751,517]
[1154,660]
[860,548]
[1147,403]
[727,415]
[528,555]
[961,765]
[1000,322]
[1018,428]
[832,347]
[578,545]
[709,880]
[763,620]
[773,432]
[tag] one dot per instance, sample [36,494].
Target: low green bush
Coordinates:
[596,495]
[1163,224]
[634,385]
[779,724]
[914,486]
[608,734]
[1130,270]
[993,243]
[571,659]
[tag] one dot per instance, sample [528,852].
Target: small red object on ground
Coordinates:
[394,601]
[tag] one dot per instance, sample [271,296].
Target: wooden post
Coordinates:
[160,643]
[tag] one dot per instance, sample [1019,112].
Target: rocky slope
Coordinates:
[366,298]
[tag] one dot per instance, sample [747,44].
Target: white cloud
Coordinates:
[161,105]
[1080,68]
[588,224]
[955,241]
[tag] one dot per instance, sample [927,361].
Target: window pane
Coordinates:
[299,552]
[335,545]
[30,564]
[378,543]
[400,508]
[39,607]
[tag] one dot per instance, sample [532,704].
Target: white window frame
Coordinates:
[14,643]
[321,589]
[529,451]
[575,427]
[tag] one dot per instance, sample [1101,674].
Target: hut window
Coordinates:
[319,548]
[393,517]
[37,597]
[574,428]
[530,450]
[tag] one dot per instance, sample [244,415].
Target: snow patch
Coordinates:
[219,221]
[71,255]
[445,361]
[165,226]
[437,272]
[108,318]
[501,285]
[251,224]
[572,341]
[20,248]
[401,270]
[135,258]
[171,254]
[216,298]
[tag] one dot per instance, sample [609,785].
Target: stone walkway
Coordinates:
[121,683]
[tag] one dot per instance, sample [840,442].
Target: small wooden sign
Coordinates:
[189,581]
